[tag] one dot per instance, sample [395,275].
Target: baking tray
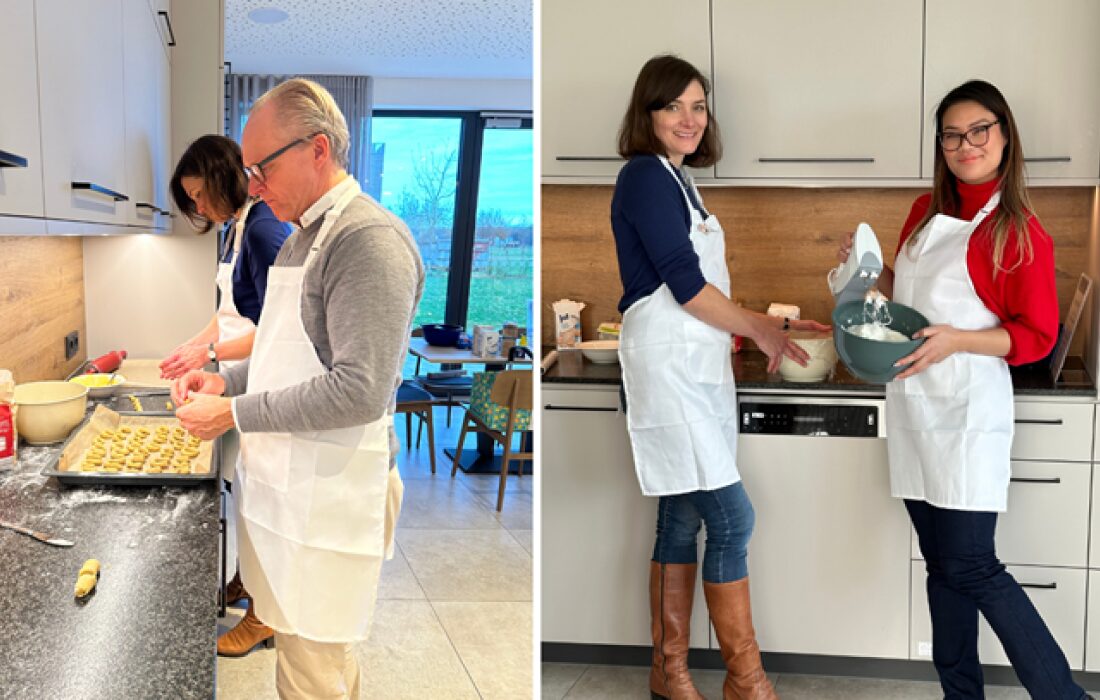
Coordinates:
[78,441]
[153,403]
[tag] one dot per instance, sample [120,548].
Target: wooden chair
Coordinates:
[412,400]
[507,412]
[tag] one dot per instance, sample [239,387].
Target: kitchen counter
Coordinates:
[750,373]
[149,628]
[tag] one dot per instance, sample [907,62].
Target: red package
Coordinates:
[7,437]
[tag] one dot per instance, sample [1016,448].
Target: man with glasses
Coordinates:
[318,492]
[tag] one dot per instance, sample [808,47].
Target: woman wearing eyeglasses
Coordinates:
[977,263]
[210,189]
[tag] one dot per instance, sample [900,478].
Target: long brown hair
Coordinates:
[216,160]
[661,81]
[1011,216]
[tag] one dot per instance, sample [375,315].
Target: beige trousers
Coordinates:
[308,670]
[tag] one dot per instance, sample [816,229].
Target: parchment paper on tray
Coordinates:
[103,418]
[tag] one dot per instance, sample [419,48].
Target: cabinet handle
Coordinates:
[815,160]
[1049,159]
[147,205]
[168,23]
[1038,421]
[1045,586]
[92,187]
[551,407]
[10,160]
[1034,480]
[599,159]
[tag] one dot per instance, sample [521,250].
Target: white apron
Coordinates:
[680,396]
[231,324]
[316,509]
[949,429]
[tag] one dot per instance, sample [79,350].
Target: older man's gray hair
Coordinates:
[307,106]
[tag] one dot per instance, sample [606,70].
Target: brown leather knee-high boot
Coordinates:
[731,613]
[671,589]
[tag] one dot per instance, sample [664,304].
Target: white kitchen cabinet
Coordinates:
[1053,431]
[597,527]
[161,10]
[80,73]
[1058,594]
[20,143]
[806,89]
[148,117]
[1094,538]
[1031,51]
[590,59]
[1092,624]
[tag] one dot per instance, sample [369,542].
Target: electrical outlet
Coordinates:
[72,344]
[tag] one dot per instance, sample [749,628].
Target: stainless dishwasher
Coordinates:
[829,560]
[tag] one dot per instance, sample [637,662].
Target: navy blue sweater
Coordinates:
[652,223]
[263,237]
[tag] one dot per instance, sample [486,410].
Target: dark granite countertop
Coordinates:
[149,628]
[750,373]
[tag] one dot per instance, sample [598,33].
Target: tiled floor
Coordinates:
[454,605]
[578,681]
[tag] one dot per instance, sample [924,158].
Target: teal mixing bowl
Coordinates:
[873,360]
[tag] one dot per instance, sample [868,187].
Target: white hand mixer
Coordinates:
[851,279]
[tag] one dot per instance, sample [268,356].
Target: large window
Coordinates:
[463,184]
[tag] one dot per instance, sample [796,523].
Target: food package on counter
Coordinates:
[8,436]
[609,330]
[784,311]
[486,341]
[567,322]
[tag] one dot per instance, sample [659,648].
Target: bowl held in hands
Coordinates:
[819,346]
[873,360]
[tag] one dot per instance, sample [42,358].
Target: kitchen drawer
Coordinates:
[1060,600]
[1047,521]
[1092,624]
[1053,431]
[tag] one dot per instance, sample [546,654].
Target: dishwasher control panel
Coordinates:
[811,419]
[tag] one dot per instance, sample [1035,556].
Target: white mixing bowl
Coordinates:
[822,354]
[602,352]
[48,411]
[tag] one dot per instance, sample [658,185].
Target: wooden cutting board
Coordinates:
[142,374]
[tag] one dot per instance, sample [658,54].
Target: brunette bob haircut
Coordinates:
[661,81]
[216,160]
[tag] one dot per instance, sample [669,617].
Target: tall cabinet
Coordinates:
[20,143]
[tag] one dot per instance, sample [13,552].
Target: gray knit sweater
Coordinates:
[360,295]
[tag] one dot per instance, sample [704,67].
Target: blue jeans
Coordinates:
[965,577]
[729,517]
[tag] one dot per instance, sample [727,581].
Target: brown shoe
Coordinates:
[731,613]
[246,635]
[671,589]
[234,590]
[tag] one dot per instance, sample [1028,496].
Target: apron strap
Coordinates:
[353,190]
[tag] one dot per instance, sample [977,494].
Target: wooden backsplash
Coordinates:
[780,243]
[41,301]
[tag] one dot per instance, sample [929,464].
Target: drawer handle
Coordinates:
[594,159]
[1038,421]
[10,160]
[816,160]
[147,205]
[1034,480]
[1044,586]
[92,187]
[551,407]
[1049,159]
[168,23]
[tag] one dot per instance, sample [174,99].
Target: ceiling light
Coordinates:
[267,15]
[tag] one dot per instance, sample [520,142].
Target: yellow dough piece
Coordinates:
[86,579]
[125,429]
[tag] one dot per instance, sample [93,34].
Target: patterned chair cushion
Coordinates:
[492,414]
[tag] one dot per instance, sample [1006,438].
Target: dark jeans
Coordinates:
[965,577]
[729,517]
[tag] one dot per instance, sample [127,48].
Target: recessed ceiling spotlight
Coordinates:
[267,15]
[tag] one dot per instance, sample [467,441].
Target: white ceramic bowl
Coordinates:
[98,388]
[48,411]
[602,352]
[822,354]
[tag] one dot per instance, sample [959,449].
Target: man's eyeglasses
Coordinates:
[256,172]
[977,136]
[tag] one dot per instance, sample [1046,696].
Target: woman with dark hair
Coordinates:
[681,405]
[210,189]
[977,263]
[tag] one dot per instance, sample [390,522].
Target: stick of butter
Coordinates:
[86,579]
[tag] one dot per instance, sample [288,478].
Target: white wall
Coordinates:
[430,93]
[146,293]
[1092,311]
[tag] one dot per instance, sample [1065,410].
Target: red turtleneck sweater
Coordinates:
[1026,299]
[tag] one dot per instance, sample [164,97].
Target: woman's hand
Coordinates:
[941,342]
[196,382]
[845,248]
[183,359]
[776,344]
[206,417]
[809,325]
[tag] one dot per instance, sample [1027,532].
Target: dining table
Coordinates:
[485,459]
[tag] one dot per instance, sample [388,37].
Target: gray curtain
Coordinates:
[353,93]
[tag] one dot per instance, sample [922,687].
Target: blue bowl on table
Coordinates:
[443,335]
